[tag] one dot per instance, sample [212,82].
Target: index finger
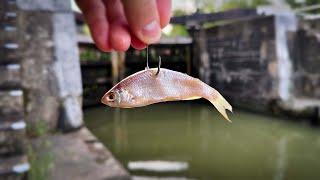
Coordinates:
[95,15]
[164,10]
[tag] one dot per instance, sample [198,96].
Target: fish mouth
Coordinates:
[103,99]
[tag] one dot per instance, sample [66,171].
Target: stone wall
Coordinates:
[306,47]
[40,79]
[13,161]
[12,125]
[239,59]
[50,64]
[263,63]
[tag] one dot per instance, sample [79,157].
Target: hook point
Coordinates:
[159,65]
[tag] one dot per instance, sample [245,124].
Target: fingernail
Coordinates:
[152,30]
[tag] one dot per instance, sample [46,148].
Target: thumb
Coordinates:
[143,19]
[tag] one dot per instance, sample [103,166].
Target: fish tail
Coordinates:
[221,104]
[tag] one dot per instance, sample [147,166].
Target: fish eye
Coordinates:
[111,97]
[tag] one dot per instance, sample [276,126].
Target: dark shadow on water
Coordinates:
[315,117]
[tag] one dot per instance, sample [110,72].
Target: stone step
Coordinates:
[13,125]
[11,103]
[8,32]
[12,136]
[9,53]
[14,117]
[10,76]
[9,17]
[14,167]
[7,6]
[7,28]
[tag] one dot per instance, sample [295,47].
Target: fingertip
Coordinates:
[119,37]
[136,43]
[143,19]
[164,9]
[99,33]
[150,33]
[94,14]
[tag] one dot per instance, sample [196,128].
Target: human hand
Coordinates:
[115,24]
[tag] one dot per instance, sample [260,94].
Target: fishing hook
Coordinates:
[159,66]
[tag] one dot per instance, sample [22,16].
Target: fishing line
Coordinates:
[147,58]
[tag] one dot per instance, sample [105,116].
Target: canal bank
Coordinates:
[74,155]
[42,134]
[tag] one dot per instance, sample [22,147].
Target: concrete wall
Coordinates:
[239,59]
[306,45]
[40,79]
[264,63]
[50,64]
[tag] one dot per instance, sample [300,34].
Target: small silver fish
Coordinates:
[153,86]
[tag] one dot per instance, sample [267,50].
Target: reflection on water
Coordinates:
[252,147]
[158,166]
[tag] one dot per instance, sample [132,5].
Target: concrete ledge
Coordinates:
[79,155]
[44,5]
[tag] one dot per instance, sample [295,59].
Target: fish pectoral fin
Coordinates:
[192,98]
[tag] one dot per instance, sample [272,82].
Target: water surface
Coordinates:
[195,135]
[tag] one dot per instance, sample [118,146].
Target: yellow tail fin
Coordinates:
[221,104]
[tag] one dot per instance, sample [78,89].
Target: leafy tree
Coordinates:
[234,4]
[179,12]
[205,6]
[295,4]
[178,30]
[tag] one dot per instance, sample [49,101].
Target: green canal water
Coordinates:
[190,140]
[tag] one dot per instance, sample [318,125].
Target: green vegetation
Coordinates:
[104,56]
[40,159]
[295,4]
[37,129]
[208,5]
[40,163]
[91,54]
[178,30]
[86,54]
[86,30]
[234,4]
[179,12]
[205,6]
